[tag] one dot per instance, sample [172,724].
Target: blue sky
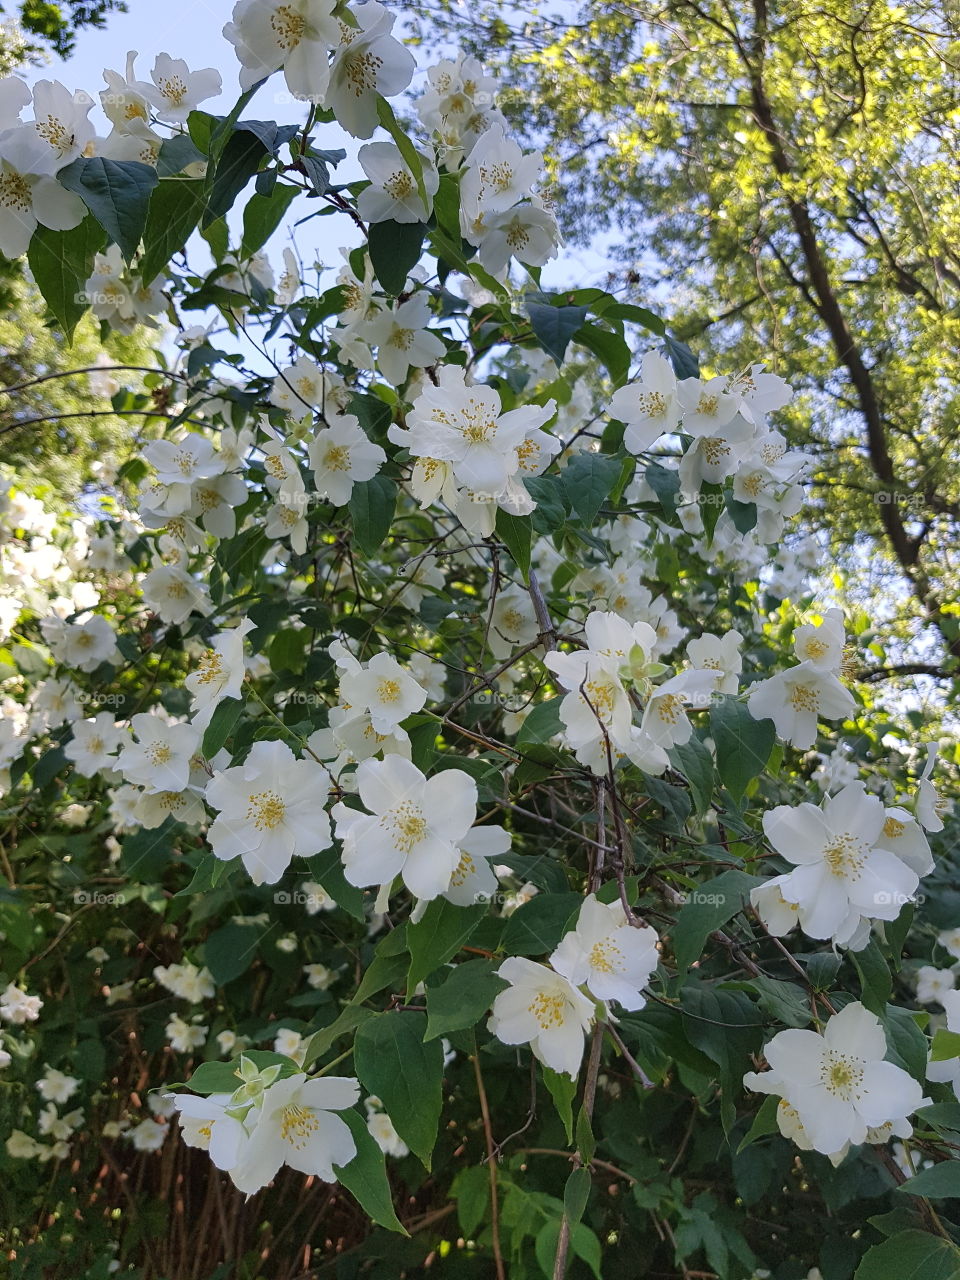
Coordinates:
[192,29]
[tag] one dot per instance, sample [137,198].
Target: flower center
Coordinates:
[266,810]
[185,461]
[159,753]
[804,697]
[815,648]
[670,708]
[288,27]
[841,1074]
[408,823]
[361,71]
[606,956]
[297,1125]
[399,185]
[707,404]
[337,458]
[402,338]
[844,856]
[174,89]
[388,690]
[548,1008]
[55,132]
[652,404]
[463,870]
[15,192]
[893,828]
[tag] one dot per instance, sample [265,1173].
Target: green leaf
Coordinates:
[221,725]
[406,1074]
[876,980]
[117,193]
[323,1040]
[946,1045]
[555,326]
[517,534]
[230,951]
[588,479]
[62,263]
[764,1122]
[395,249]
[176,154]
[262,215]
[365,1177]
[239,161]
[708,908]
[542,723]
[327,869]
[438,936]
[695,762]
[912,1255]
[782,1000]
[724,1025]
[576,1193]
[743,745]
[562,1089]
[681,357]
[906,1044]
[223,1077]
[940,1182]
[743,514]
[536,927]
[636,315]
[372,504]
[463,999]
[406,148]
[608,347]
[665,484]
[175,209]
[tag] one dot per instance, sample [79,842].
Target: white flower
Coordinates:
[94,743]
[403,340]
[319,977]
[184,461]
[160,758]
[930,808]
[757,393]
[384,690]
[124,101]
[83,645]
[665,721]
[153,808]
[205,1123]
[527,232]
[315,898]
[271,810]
[381,1129]
[464,426]
[341,455]
[148,1135]
[649,408]
[839,868]
[949,939]
[219,674]
[173,593]
[368,61]
[60,123]
[178,89]
[414,827]
[289,1042]
[837,1082]
[54,1086]
[933,984]
[184,1037]
[473,878]
[293,34]
[496,175]
[300,388]
[903,835]
[543,1009]
[720,654]
[295,1126]
[795,700]
[706,407]
[393,193]
[186,981]
[608,955]
[822,645]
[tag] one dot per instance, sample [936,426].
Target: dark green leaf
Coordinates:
[395,249]
[463,999]
[555,326]
[221,726]
[588,479]
[406,1074]
[912,1255]
[372,504]
[438,936]
[365,1177]
[743,745]
[708,908]
[517,533]
[62,263]
[262,215]
[117,193]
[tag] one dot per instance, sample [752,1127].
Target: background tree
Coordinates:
[790,173]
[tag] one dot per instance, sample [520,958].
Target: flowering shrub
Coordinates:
[436,801]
